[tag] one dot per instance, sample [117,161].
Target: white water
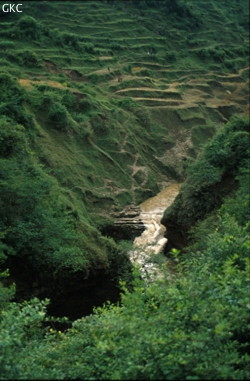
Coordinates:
[151,242]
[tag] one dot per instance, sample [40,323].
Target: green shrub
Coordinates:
[86,129]
[12,98]
[12,139]
[10,89]
[127,103]
[216,54]
[5,45]
[116,46]
[28,27]
[69,100]
[170,57]
[52,103]
[85,105]
[27,58]
[146,73]
[89,48]
[70,39]
[58,116]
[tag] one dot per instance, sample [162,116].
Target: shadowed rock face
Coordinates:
[72,296]
[127,225]
[81,298]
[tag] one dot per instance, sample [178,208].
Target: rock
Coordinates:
[152,240]
[127,224]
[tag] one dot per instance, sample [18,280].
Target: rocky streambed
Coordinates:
[148,246]
[141,223]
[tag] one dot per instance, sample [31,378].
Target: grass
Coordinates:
[145,48]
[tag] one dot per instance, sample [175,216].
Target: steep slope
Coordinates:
[187,73]
[109,101]
[210,179]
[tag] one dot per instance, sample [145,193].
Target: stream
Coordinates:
[147,255]
[147,252]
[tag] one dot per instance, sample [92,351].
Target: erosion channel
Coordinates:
[147,252]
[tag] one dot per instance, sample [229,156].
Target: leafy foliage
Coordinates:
[37,227]
[187,329]
[208,178]
[28,27]
[12,98]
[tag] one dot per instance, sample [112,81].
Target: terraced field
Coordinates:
[171,84]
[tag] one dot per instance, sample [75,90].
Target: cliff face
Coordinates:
[127,224]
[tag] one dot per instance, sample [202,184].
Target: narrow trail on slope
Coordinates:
[152,241]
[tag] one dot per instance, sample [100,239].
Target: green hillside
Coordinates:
[102,105]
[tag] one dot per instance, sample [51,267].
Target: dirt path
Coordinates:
[142,89]
[28,83]
[135,169]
